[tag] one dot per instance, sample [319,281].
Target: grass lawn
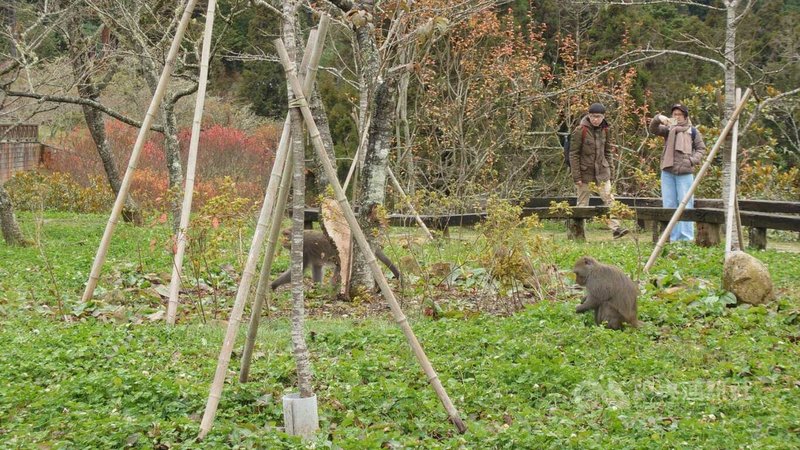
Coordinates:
[699,374]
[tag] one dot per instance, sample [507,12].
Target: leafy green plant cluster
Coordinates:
[515,247]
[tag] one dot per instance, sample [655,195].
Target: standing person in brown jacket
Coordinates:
[683,151]
[590,161]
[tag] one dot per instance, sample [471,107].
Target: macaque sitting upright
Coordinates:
[609,292]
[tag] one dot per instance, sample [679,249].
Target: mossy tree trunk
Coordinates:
[8,221]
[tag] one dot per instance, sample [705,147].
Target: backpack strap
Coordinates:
[605,131]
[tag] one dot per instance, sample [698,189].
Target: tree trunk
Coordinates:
[172,152]
[730,105]
[321,119]
[96,125]
[300,349]
[377,102]
[171,147]
[8,222]
[82,56]
[373,184]
[403,129]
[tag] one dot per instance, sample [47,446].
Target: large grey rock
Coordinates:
[747,278]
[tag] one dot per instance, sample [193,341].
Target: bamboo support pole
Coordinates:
[731,213]
[263,291]
[255,250]
[119,203]
[188,190]
[399,317]
[676,216]
[362,143]
[408,203]
[352,169]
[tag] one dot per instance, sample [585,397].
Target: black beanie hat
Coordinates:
[597,108]
[681,108]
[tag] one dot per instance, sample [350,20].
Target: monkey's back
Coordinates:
[615,286]
[320,245]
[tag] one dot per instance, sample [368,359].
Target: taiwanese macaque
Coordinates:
[610,293]
[318,252]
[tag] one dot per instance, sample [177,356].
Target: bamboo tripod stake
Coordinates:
[408,203]
[263,291]
[252,258]
[399,317]
[676,216]
[731,214]
[188,190]
[119,203]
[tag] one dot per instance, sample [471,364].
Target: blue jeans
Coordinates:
[673,189]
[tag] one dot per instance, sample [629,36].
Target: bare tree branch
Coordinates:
[764,103]
[82,101]
[650,2]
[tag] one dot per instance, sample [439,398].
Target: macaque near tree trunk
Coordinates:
[318,252]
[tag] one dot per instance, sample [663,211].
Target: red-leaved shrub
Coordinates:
[223,152]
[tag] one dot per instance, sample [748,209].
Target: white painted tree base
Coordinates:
[300,415]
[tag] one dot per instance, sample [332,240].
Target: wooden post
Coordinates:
[730,213]
[708,234]
[758,238]
[676,216]
[399,317]
[119,203]
[252,258]
[658,229]
[188,189]
[576,229]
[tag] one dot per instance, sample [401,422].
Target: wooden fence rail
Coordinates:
[759,215]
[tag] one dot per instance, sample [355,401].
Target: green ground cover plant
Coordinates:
[110,374]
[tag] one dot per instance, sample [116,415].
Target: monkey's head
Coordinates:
[583,267]
[286,238]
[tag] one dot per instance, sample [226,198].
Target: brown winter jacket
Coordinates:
[590,157]
[682,163]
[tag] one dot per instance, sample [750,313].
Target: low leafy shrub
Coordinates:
[34,191]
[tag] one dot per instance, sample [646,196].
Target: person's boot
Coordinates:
[619,232]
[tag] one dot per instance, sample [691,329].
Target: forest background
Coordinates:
[483,95]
